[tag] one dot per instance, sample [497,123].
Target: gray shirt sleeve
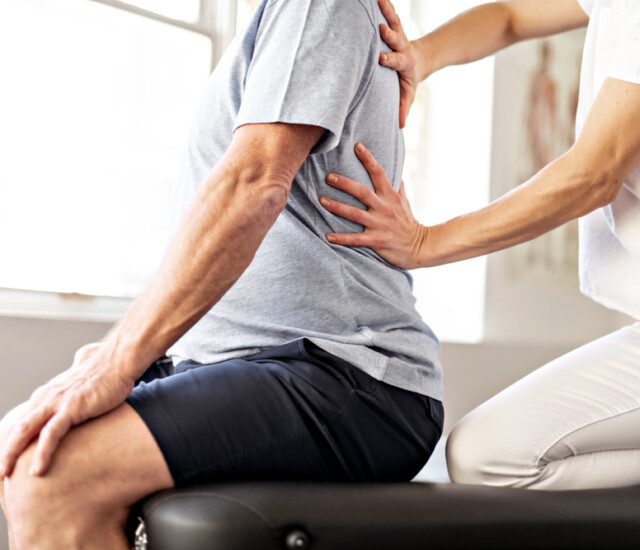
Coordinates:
[311,64]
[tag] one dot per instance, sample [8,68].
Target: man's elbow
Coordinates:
[274,196]
[269,192]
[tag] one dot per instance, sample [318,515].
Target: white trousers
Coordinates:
[571,424]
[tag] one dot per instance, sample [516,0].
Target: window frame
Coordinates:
[216,21]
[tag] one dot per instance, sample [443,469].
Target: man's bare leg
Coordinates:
[101,468]
[3,436]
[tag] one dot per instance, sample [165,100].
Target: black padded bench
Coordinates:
[396,516]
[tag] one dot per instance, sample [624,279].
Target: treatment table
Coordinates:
[383,516]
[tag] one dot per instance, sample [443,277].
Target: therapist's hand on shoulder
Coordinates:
[91,387]
[405,58]
[390,229]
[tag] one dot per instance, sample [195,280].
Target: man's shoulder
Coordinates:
[340,11]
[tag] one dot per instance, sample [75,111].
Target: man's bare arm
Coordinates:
[229,216]
[216,241]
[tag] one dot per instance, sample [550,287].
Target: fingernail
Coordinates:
[32,471]
[324,202]
[384,57]
[360,148]
[331,238]
[332,178]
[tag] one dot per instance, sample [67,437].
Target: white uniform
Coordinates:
[575,423]
[610,236]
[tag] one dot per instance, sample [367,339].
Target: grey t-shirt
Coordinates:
[312,62]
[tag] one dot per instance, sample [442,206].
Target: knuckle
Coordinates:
[367,194]
[376,169]
[388,211]
[23,425]
[38,392]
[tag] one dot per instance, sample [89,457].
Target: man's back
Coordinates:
[312,62]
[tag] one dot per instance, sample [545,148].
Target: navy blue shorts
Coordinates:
[290,413]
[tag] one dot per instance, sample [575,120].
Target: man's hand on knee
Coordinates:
[91,387]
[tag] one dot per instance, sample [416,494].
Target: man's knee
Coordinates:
[25,493]
[60,499]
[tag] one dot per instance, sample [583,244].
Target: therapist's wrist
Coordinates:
[427,59]
[427,254]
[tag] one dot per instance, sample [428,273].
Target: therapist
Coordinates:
[575,422]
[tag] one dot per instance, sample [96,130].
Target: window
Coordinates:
[96,103]
[185,10]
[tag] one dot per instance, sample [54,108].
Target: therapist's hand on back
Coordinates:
[390,227]
[405,58]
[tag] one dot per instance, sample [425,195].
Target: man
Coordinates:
[293,359]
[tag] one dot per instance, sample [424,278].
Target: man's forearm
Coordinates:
[215,243]
[229,217]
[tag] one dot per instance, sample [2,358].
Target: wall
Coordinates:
[32,352]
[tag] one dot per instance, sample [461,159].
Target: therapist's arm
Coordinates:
[481,31]
[229,216]
[587,177]
[473,35]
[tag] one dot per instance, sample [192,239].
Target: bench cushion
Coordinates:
[330,516]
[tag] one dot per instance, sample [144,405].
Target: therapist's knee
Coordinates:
[480,451]
[466,452]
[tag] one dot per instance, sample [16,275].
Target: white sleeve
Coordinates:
[625,63]
[586,5]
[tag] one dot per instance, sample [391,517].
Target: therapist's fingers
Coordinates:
[402,191]
[406,100]
[376,172]
[396,61]
[393,39]
[389,12]
[352,239]
[348,212]
[363,193]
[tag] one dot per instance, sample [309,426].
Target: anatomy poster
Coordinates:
[537,86]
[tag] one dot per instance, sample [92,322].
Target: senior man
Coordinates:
[291,358]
